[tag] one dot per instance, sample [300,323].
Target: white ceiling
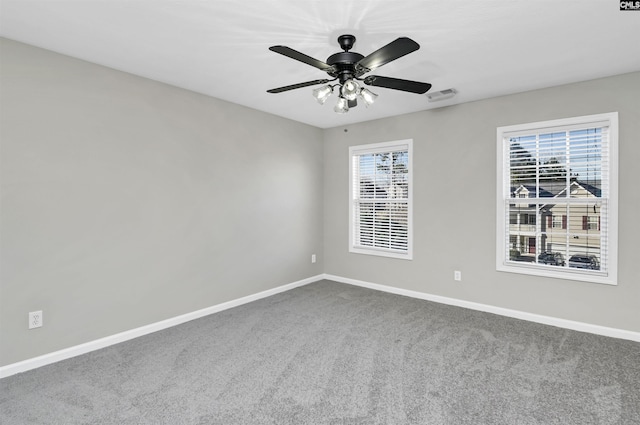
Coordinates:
[482,48]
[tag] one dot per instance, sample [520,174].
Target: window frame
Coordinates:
[503,261]
[378,148]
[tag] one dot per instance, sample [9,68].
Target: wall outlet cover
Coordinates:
[35,319]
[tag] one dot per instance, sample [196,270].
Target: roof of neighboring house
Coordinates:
[556,188]
[544,193]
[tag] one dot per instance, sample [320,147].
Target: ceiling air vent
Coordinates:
[441,95]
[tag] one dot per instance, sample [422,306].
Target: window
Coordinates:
[590,222]
[380,199]
[528,219]
[557,222]
[567,226]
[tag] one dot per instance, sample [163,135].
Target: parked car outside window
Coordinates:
[553,258]
[581,261]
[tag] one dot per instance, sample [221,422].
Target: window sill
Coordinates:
[381,253]
[592,276]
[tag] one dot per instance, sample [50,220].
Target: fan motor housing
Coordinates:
[344,63]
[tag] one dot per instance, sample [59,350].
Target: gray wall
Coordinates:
[455,203]
[126,201]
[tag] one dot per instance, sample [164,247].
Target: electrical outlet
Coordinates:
[35,319]
[313,258]
[457,275]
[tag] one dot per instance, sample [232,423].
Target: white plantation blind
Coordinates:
[380,193]
[558,198]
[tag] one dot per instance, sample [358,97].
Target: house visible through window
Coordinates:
[565,226]
[380,193]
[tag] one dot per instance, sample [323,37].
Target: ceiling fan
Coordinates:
[348,68]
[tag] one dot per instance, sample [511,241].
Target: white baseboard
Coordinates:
[546,320]
[77,350]
[97,344]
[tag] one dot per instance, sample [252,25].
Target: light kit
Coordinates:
[349,92]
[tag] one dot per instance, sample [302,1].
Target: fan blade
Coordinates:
[297,86]
[397,84]
[294,54]
[392,51]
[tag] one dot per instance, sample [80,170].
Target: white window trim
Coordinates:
[502,191]
[378,148]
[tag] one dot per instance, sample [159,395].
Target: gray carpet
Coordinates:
[329,353]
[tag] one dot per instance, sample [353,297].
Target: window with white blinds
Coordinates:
[380,199]
[557,198]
